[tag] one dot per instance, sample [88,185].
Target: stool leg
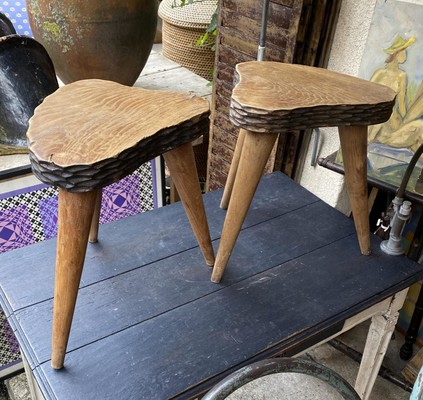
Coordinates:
[75,214]
[181,164]
[255,153]
[354,153]
[95,222]
[232,170]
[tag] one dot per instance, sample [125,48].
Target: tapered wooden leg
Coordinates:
[181,164]
[378,339]
[255,153]
[75,214]
[354,153]
[232,170]
[95,222]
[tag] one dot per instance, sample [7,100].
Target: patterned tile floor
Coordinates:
[9,348]
[30,215]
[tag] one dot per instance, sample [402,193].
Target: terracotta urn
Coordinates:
[105,39]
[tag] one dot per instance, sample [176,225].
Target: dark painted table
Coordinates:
[149,324]
[414,252]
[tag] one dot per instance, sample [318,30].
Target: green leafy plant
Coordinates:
[204,39]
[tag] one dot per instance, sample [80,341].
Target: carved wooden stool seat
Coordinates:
[270,98]
[91,133]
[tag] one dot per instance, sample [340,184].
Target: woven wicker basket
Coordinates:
[182,27]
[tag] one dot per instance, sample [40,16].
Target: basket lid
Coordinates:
[195,15]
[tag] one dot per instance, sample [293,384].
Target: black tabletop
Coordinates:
[148,322]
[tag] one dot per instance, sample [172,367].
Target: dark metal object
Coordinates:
[6,26]
[329,163]
[315,147]
[280,365]
[27,76]
[15,172]
[408,171]
[419,184]
[402,210]
[383,372]
[406,350]
[262,39]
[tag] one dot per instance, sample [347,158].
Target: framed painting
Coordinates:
[393,56]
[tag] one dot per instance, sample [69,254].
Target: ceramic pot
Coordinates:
[105,39]
[26,77]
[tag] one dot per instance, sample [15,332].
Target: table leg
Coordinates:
[74,220]
[378,338]
[354,153]
[255,153]
[232,170]
[181,164]
[95,222]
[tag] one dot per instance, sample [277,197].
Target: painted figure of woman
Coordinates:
[396,78]
[405,127]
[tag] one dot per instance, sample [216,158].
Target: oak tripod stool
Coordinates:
[91,133]
[270,98]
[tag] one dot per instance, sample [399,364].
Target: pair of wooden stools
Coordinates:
[91,133]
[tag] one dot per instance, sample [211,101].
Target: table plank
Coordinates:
[163,356]
[27,274]
[111,305]
[150,325]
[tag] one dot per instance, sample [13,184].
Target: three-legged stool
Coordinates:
[91,133]
[270,98]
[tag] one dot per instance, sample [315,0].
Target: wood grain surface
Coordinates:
[92,132]
[239,27]
[275,97]
[75,211]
